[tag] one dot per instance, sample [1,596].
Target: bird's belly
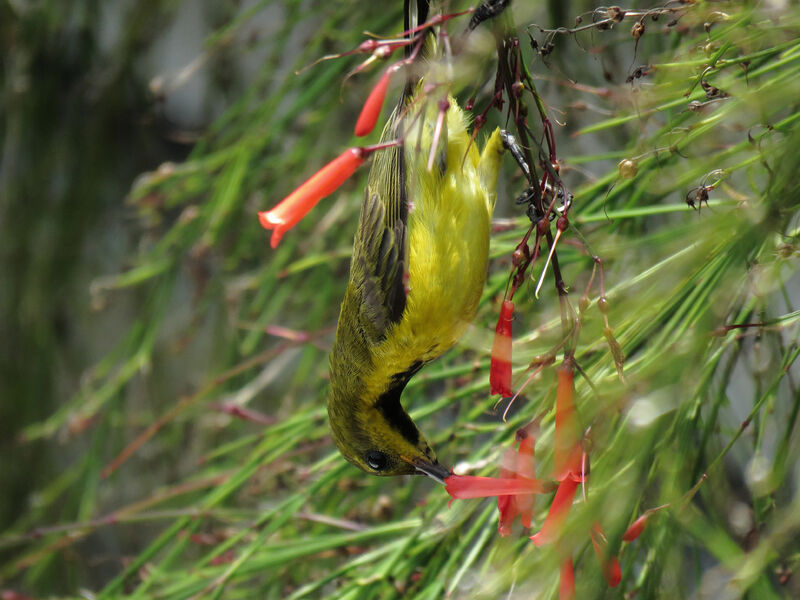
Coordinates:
[447,262]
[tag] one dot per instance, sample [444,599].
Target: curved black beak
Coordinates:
[432,469]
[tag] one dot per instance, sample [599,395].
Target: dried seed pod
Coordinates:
[521,255]
[628,168]
[383,51]
[616,14]
[542,227]
[694,106]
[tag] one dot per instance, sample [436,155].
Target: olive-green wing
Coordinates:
[379,250]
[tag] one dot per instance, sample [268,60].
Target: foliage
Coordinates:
[221,471]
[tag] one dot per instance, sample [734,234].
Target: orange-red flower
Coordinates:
[567,451]
[566,583]
[372,107]
[521,464]
[472,486]
[516,486]
[297,204]
[507,505]
[526,467]
[636,528]
[500,366]
[610,565]
[558,512]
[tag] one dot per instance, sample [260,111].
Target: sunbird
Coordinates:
[419,265]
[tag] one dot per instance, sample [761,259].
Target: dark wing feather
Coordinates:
[379,251]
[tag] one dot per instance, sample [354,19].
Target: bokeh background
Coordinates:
[163,371]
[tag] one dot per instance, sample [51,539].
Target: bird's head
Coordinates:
[380,438]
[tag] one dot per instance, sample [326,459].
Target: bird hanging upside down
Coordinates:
[419,266]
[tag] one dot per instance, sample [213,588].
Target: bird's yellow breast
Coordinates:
[448,245]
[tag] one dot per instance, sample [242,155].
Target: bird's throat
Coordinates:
[388,404]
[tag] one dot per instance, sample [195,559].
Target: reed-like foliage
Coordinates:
[200,464]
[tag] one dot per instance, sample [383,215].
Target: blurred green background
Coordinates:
[140,302]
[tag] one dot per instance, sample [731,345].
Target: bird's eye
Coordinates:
[376,460]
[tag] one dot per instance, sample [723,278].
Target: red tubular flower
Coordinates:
[297,204]
[508,510]
[469,486]
[636,528]
[566,583]
[611,569]
[516,486]
[567,450]
[518,464]
[372,107]
[500,368]
[507,505]
[559,510]
[526,467]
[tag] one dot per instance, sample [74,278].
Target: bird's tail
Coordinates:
[415,14]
